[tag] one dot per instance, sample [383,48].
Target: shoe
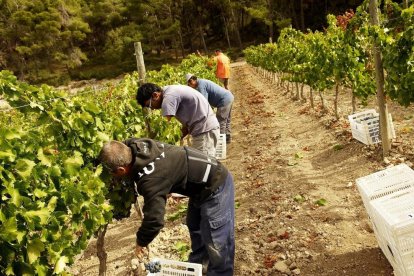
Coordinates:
[228,138]
[205,266]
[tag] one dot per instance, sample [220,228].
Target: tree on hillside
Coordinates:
[40,37]
[41,34]
[267,12]
[160,23]
[119,43]
[102,16]
[229,21]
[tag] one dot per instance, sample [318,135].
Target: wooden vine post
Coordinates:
[140,62]
[141,72]
[100,243]
[139,55]
[379,76]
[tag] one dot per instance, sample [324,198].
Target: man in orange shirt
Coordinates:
[223,68]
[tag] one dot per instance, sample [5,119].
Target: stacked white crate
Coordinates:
[395,220]
[365,127]
[388,197]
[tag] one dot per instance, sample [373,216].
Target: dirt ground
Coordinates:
[298,208]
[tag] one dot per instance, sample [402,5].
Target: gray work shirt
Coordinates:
[189,107]
[216,95]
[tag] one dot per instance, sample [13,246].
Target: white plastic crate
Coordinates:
[387,250]
[385,182]
[394,218]
[365,127]
[176,268]
[359,128]
[383,244]
[221,147]
[398,272]
[389,188]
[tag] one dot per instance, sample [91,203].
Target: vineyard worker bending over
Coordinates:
[217,97]
[189,107]
[159,169]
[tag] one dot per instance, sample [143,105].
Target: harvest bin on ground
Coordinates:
[365,127]
[388,197]
[176,268]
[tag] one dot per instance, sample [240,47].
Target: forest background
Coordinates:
[56,41]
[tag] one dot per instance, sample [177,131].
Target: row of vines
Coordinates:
[53,194]
[342,56]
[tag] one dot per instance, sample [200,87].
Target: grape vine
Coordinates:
[342,55]
[53,196]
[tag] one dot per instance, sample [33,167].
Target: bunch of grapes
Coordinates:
[153,267]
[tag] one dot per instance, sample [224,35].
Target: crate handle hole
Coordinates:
[389,248]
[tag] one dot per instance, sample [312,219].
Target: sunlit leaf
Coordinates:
[321,202]
[12,134]
[24,167]
[43,159]
[61,264]
[9,232]
[34,249]
[7,155]
[42,214]
[73,164]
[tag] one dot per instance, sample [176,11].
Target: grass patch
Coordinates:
[181,211]
[338,147]
[183,249]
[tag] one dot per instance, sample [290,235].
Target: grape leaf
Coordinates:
[24,167]
[7,155]
[321,202]
[34,249]
[41,214]
[43,159]
[61,264]
[9,232]
[73,164]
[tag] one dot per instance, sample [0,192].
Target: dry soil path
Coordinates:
[283,161]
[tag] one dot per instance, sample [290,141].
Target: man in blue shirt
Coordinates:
[217,97]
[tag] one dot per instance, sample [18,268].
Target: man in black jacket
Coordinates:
[158,169]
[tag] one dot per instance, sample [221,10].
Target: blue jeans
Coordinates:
[211,227]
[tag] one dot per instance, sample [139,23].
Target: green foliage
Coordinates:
[183,249]
[41,38]
[298,155]
[321,202]
[51,204]
[342,55]
[399,56]
[338,147]
[41,33]
[299,198]
[120,42]
[236,204]
[53,199]
[182,210]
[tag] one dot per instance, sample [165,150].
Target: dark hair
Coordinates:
[193,77]
[217,50]
[145,91]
